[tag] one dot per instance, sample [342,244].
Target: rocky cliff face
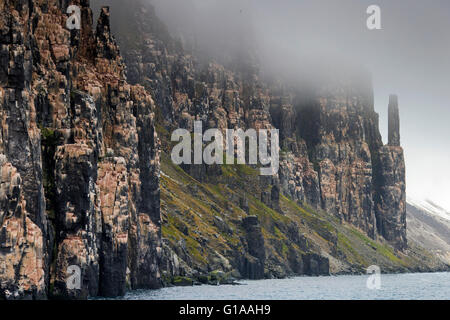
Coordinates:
[79,158]
[333,157]
[80,163]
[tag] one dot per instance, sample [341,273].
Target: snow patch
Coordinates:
[429,207]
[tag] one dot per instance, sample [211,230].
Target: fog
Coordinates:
[409,56]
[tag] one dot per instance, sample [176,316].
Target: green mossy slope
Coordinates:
[202,223]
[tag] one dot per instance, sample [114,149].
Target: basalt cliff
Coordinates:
[87,183]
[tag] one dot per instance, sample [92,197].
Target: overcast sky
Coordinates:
[410,56]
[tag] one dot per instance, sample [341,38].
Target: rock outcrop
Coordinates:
[391,193]
[252,266]
[80,159]
[394,122]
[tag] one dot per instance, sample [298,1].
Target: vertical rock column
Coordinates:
[394,122]
[78,222]
[391,198]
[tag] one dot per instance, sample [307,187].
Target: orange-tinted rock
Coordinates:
[71,125]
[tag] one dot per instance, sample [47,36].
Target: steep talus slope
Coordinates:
[430,230]
[79,159]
